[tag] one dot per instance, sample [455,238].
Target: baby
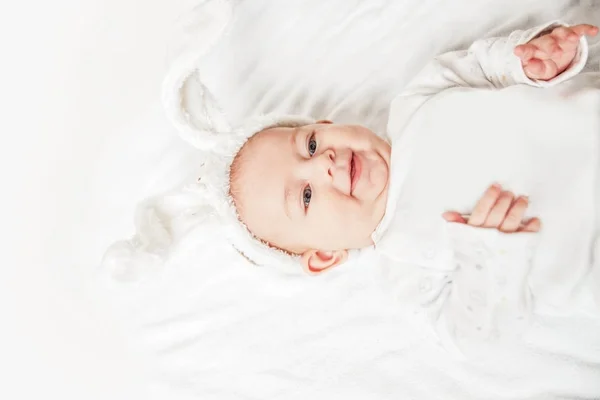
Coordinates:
[291,191]
[317,190]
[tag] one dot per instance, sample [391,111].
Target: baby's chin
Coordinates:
[378,181]
[380,178]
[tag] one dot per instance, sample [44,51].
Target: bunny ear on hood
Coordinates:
[188,103]
[161,220]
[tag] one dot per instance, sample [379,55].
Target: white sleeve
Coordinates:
[488,63]
[489,299]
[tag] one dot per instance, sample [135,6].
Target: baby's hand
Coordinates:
[498,209]
[547,56]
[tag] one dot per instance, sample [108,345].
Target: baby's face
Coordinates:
[320,187]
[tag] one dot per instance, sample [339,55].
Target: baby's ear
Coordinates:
[316,262]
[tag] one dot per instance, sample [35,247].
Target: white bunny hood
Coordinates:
[192,109]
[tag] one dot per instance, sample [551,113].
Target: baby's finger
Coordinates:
[547,47]
[513,219]
[484,206]
[453,216]
[567,38]
[525,52]
[531,226]
[541,69]
[534,68]
[585,29]
[498,213]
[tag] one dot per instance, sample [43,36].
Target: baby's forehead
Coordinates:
[267,140]
[267,150]
[261,157]
[258,179]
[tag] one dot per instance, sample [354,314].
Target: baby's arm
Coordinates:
[488,297]
[542,56]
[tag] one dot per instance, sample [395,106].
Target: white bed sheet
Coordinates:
[216,328]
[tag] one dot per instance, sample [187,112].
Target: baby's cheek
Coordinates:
[379,173]
[367,143]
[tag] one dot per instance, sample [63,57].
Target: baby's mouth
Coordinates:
[355,171]
[352,173]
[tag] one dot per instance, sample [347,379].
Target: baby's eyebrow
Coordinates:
[294,141]
[293,138]
[287,197]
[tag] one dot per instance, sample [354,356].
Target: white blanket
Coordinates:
[217,328]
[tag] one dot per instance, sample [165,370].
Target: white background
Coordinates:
[74,74]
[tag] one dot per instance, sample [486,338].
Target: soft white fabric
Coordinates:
[218,328]
[543,143]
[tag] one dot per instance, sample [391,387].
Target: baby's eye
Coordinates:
[306,195]
[312,145]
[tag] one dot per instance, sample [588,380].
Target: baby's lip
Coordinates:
[355,171]
[350,170]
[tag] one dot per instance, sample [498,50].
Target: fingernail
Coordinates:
[496,185]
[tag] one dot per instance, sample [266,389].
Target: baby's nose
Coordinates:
[337,171]
[329,156]
[323,167]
